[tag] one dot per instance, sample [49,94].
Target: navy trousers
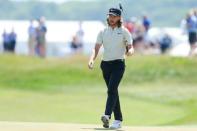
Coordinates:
[113,72]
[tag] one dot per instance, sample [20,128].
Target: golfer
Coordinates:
[117,42]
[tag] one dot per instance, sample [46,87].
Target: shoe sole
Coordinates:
[105,122]
[114,128]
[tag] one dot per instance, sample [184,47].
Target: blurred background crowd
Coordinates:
[61,38]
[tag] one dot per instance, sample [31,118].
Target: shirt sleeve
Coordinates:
[127,37]
[100,38]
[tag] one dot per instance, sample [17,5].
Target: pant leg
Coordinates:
[117,110]
[106,72]
[113,97]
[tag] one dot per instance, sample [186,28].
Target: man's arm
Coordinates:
[93,57]
[130,50]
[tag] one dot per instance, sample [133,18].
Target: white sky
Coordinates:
[57,1]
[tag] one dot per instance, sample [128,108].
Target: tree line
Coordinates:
[162,12]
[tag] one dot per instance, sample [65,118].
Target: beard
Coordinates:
[113,23]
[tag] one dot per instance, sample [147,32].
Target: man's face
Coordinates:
[113,20]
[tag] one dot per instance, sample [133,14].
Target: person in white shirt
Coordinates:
[117,42]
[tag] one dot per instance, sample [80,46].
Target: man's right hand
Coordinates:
[91,64]
[93,56]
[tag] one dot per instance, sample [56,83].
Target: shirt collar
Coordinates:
[116,28]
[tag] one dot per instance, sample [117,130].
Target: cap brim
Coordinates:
[114,14]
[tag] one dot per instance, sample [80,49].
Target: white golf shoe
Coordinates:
[116,124]
[105,120]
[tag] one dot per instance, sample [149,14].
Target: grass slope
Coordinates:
[155,90]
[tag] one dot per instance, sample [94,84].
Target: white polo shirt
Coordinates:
[114,42]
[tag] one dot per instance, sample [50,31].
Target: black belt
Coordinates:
[117,60]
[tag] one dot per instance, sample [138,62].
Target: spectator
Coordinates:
[6,40]
[191,24]
[129,25]
[138,34]
[146,23]
[183,24]
[32,38]
[9,41]
[77,41]
[74,44]
[12,41]
[80,35]
[41,31]
[165,43]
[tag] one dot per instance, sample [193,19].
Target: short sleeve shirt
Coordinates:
[114,42]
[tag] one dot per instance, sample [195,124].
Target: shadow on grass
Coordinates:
[102,129]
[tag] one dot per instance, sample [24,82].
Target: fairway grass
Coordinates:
[154,91]
[141,106]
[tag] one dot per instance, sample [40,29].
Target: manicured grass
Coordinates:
[155,90]
[81,106]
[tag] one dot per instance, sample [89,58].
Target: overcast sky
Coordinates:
[57,1]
